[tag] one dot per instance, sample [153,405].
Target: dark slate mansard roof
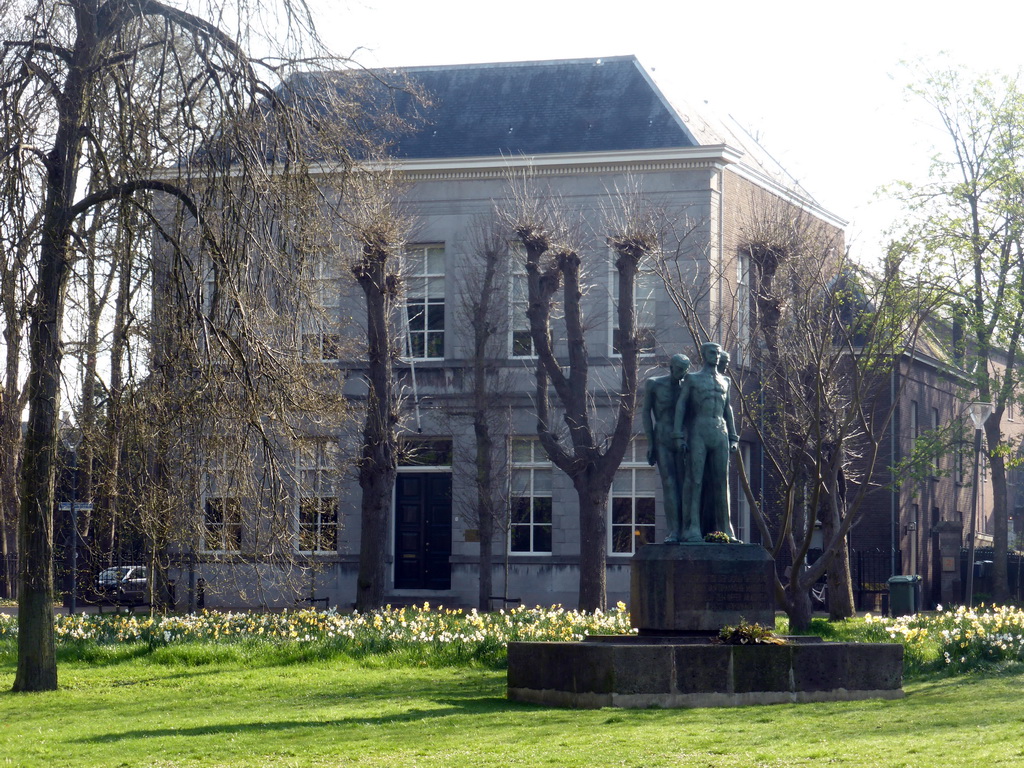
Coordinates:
[522,108]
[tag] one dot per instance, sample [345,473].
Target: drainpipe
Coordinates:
[721,251]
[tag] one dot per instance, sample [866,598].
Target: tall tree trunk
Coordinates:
[485,505]
[593,502]
[798,605]
[1000,521]
[379,463]
[37,662]
[840,581]
[10,452]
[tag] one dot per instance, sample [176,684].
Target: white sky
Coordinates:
[820,83]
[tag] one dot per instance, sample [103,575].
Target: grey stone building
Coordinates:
[582,129]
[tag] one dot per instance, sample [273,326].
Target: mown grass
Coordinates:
[315,701]
[175,707]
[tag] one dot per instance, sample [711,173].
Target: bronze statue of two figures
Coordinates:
[690,434]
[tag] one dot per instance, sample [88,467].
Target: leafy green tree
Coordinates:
[965,225]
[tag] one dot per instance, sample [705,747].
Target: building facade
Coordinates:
[582,132]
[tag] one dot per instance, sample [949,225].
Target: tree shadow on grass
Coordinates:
[457,707]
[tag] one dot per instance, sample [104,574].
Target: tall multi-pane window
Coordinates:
[425,269]
[222,508]
[632,501]
[320,334]
[743,305]
[531,498]
[914,426]
[521,341]
[317,500]
[644,308]
[742,504]
[937,455]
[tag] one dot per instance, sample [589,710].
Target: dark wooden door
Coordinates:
[423,530]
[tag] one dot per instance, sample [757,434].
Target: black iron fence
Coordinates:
[78,578]
[870,570]
[983,560]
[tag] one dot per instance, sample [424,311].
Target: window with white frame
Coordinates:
[937,454]
[631,507]
[644,306]
[425,270]
[317,499]
[531,520]
[321,339]
[222,508]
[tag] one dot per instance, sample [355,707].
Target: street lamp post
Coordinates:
[979,413]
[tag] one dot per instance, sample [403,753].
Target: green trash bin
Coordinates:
[902,594]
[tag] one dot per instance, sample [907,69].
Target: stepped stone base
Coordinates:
[631,672]
[682,595]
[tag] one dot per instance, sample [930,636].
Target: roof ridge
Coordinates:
[596,60]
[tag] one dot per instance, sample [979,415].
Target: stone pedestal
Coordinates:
[685,588]
[636,673]
[682,595]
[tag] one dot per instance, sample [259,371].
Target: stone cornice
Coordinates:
[563,164]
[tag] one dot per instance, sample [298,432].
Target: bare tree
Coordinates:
[379,232]
[817,339]
[555,264]
[230,150]
[21,177]
[483,290]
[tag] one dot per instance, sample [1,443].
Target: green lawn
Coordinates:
[341,712]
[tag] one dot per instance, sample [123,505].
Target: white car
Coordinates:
[124,583]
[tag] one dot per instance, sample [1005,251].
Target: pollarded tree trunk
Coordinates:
[379,463]
[590,467]
[798,604]
[593,546]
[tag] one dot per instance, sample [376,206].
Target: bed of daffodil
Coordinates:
[449,633]
[958,639]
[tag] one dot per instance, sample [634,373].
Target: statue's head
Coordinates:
[679,365]
[723,362]
[710,353]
